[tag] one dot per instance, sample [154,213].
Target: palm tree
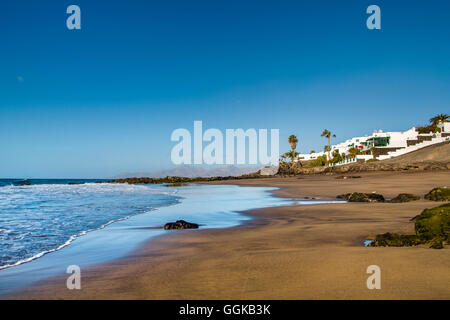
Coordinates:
[290,154]
[327,134]
[439,118]
[293,141]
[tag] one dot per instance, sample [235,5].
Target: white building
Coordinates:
[388,144]
[444,126]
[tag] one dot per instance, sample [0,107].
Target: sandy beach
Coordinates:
[225,150]
[291,252]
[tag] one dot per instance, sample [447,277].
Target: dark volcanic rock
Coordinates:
[347,177]
[434,223]
[432,226]
[438,194]
[437,244]
[405,197]
[22,183]
[180,224]
[395,240]
[146,180]
[361,197]
[344,196]
[299,169]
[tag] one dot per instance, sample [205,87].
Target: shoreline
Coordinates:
[136,230]
[287,252]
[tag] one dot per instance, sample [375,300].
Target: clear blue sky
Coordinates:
[105,99]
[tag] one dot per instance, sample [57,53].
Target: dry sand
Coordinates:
[296,252]
[437,153]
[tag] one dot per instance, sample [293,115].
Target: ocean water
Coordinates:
[46,215]
[47,226]
[25,182]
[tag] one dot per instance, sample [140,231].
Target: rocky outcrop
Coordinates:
[25,182]
[395,240]
[180,224]
[437,244]
[438,194]
[347,177]
[147,180]
[432,227]
[361,197]
[269,170]
[434,223]
[405,197]
[380,166]
[296,169]
[375,197]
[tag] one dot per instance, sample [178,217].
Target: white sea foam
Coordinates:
[39,219]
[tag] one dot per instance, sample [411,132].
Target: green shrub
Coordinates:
[427,129]
[319,161]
